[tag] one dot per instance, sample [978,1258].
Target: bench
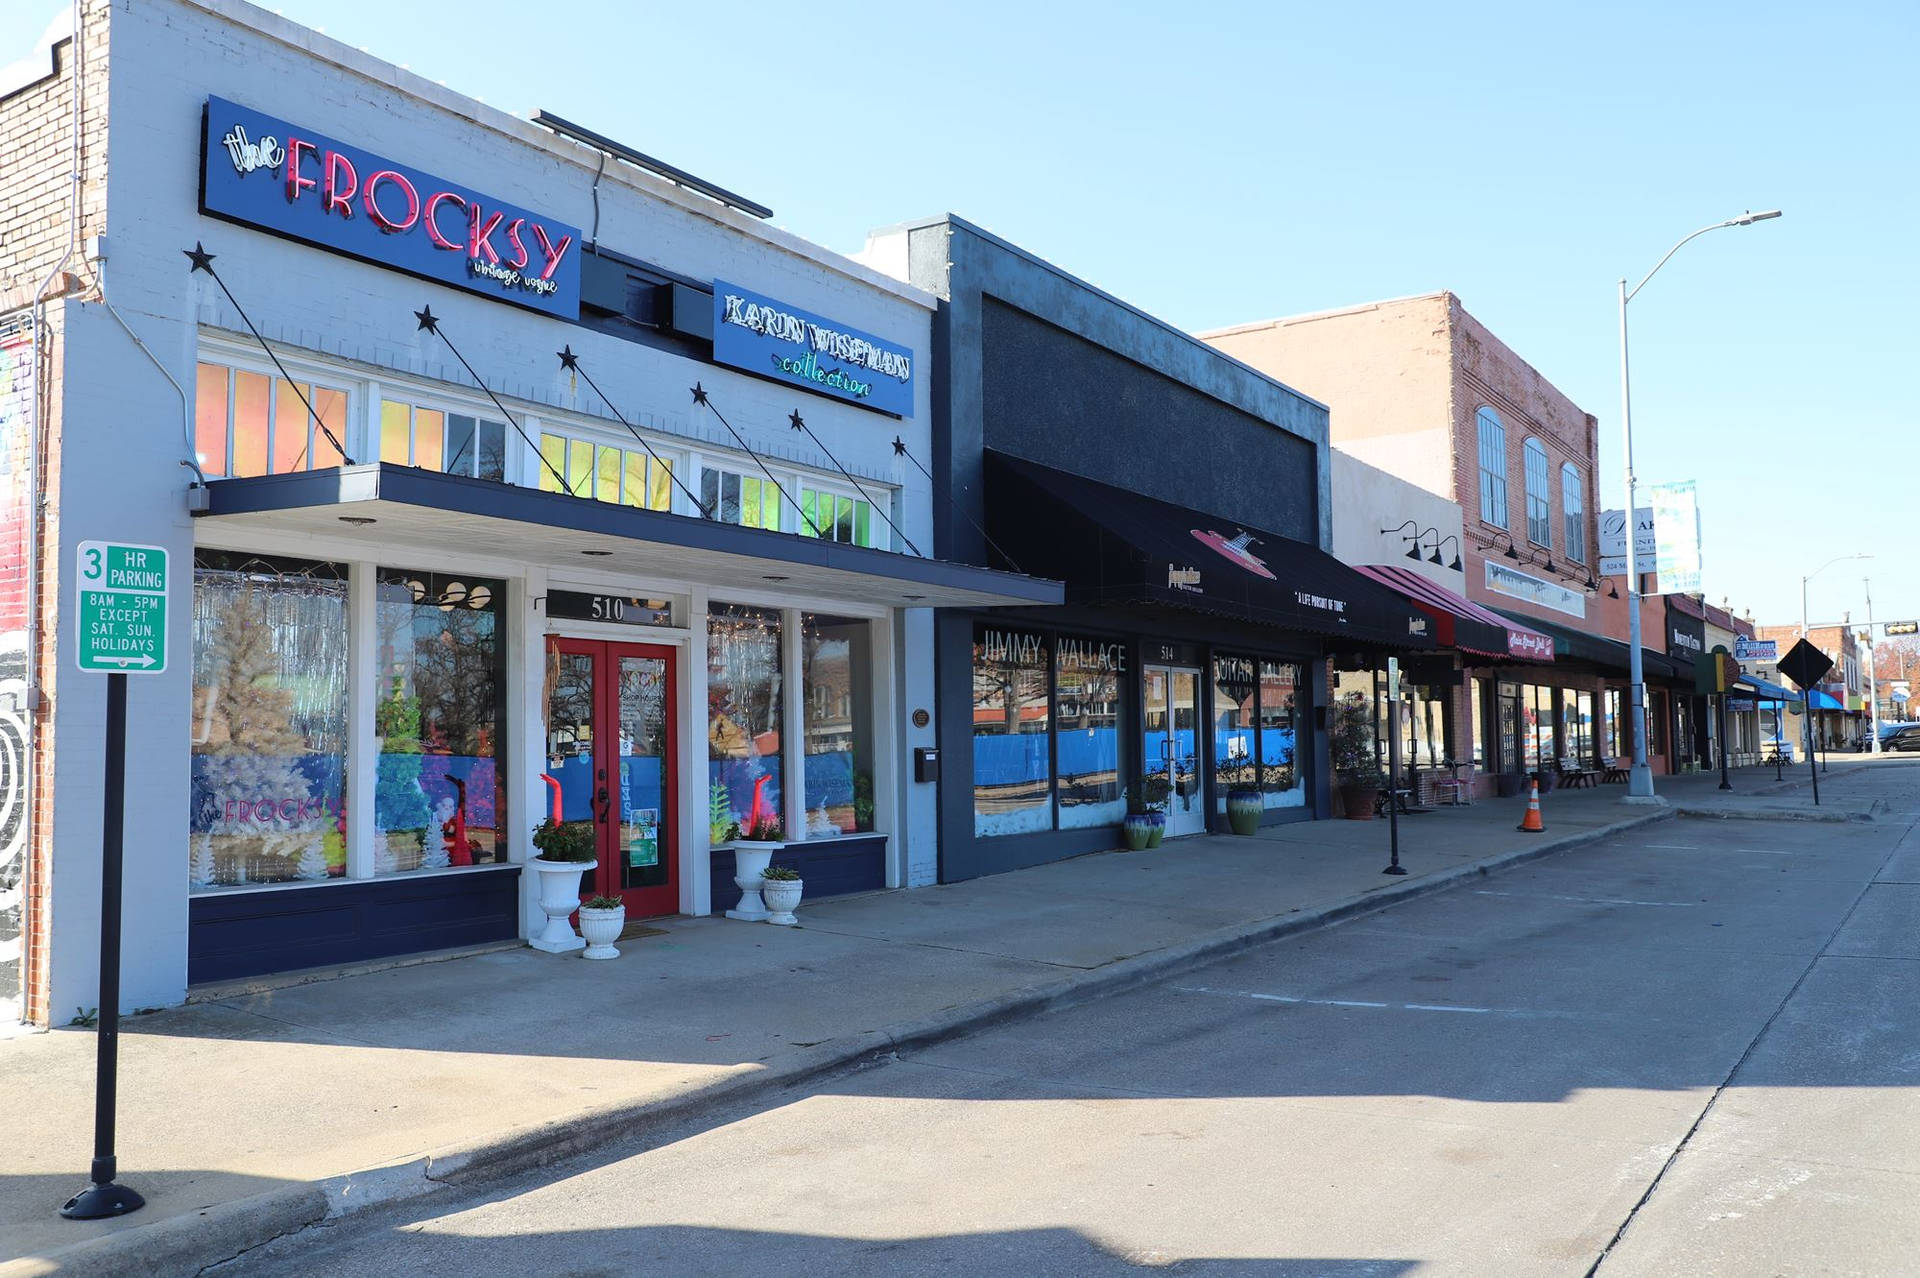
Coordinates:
[1612,770]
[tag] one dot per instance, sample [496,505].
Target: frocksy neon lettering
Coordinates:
[327,193]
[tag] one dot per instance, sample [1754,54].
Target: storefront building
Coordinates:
[1183,499]
[505,481]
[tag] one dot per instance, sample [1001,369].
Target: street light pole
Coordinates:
[1805,633]
[1873,672]
[1640,776]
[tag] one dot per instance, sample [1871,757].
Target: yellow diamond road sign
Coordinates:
[122,608]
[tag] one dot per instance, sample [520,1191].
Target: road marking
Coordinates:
[1765,851]
[1588,900]
[1674,847]
[1522,1013]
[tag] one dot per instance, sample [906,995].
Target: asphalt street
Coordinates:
[1688,1051]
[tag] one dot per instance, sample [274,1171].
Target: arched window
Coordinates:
[1573,512]
[1493,468]
[1539,508]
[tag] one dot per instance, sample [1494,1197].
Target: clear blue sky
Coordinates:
[1223,162]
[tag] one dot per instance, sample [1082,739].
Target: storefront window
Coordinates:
[1012,768]
[1282,784]
[269,793]
[1479,725]
[1088,674]
[1580,746]
[744,688]
[456,443]
[1426,724]
[1236,710]
[620,476]
[836,680]
[740,499]
[1507,706]
[439,719]
[838,517]
[1537,721]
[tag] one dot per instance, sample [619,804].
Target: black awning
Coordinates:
[1598,650]
[1113,547]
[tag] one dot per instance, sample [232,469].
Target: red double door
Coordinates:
[611,759]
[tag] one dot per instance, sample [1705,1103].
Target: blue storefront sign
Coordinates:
[264,172]
[761,335]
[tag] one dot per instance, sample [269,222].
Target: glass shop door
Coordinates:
[611,760]
[1170,705]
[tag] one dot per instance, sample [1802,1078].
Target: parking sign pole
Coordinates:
[103,1197]
[1806,713]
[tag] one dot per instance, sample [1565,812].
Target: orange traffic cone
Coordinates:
[1532,823]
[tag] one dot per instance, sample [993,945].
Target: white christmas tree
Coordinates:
[436,857]
[313,860]
[200,869]
[248,763]
[383,860]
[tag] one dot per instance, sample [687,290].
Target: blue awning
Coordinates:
[1772,691]
[1821,701]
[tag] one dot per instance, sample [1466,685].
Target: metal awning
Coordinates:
[1460,622]
[462,515]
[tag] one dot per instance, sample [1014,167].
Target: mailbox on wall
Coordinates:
[926,763]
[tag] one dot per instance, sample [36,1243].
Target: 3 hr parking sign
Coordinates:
[122,608]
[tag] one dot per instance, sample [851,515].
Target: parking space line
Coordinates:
[1521,1013]
[1586,900]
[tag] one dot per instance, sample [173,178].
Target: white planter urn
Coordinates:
[750,859]
[781,896]
[602,929]
[559,897]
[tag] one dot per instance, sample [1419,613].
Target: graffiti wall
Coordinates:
[16,418]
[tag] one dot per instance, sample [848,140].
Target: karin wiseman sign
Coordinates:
[788,344]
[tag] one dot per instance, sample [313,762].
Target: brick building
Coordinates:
[1841,718]
[1420,388]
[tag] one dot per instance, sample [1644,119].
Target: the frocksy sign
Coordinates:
[264,172]
[769,337]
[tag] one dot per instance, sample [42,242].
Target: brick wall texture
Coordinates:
[38,155]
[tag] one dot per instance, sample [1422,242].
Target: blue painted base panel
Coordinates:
[830,867]
[253,933]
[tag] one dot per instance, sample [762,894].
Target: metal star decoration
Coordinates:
[899,448]
[428,320]
[699,393]
[794,417]
[201,259]
[567,358]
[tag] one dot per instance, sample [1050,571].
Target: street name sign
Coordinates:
[122,608]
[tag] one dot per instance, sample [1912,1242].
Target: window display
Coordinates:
[1012,763]
[439,718]
[268,798]
[1255,729]
[1087,681]
[744,688]
[836,681]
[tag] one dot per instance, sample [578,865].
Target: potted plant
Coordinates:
[567,850]
[1356,763]
[1154,789]
[601,919]
[1245,804]
[753,849]
[781,885]
[1138,828]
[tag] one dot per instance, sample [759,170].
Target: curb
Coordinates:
[191,1241]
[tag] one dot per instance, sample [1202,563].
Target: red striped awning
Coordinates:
[1461,623]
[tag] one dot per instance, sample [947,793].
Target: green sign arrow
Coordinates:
[122,608]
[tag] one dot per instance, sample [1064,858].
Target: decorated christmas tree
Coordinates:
[399,804]
[262,820]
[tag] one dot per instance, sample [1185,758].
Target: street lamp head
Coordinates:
[1749,218]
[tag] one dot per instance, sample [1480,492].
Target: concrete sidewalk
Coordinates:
[245,1117]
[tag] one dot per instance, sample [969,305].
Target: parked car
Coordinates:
[1905,736]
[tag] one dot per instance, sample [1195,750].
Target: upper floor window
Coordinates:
[733,498]
[433,439]
[838,517]
[622,476]
[1493,468]
[1539,507]
[248,423]
[1573,511]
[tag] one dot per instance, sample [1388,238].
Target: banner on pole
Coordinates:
[1676,524]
